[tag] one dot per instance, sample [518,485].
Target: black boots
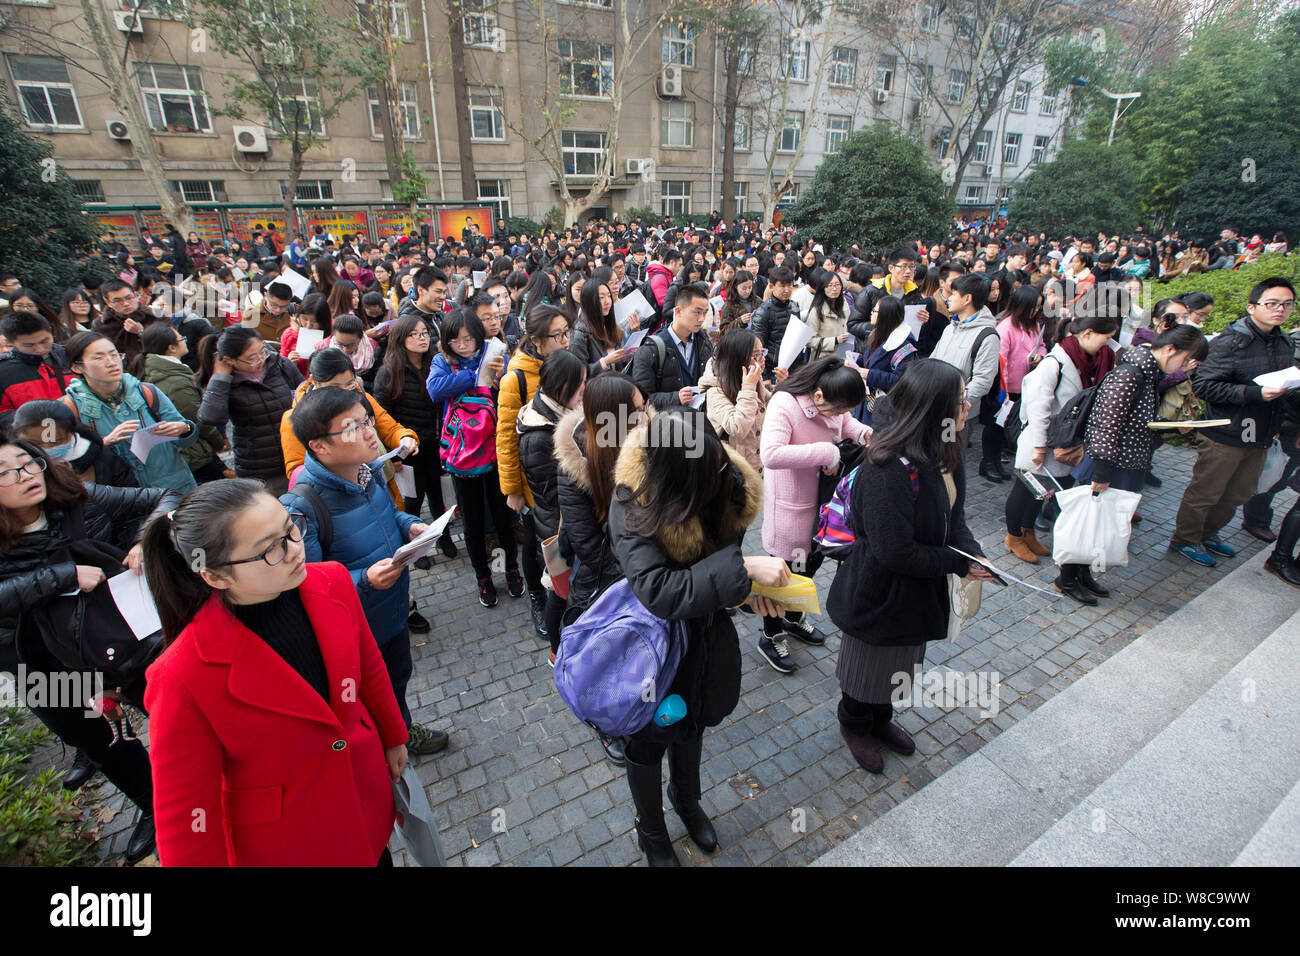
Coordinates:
[1068,582]
[992,471]
[126,765]
[889,733]
[684,792]
[856,732]
[645,782]
[613,747]
[537,608]
[1089,582]
[83,768]
[1280,562]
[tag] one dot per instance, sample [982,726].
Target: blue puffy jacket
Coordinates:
[448,382]
[367,528]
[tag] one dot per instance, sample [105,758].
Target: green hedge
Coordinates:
[1230,287]
[521,225]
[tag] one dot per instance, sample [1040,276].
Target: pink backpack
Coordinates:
[468,445]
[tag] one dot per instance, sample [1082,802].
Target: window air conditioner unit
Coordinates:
[634,167]
[670,81]
[988,172]
[498,40]
[250,139]
[881,96]
[117,128]
[128,22]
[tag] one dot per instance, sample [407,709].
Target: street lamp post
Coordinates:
[1118,98]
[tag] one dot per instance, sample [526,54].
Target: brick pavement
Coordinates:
[524,784]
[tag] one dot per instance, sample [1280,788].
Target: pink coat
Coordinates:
[798,441]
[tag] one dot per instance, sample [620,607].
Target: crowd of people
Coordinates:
[258,427]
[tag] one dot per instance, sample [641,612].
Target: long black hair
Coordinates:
[889,316]
[734,355]
[602,328]
[924,406]
[819,279]
[841,385]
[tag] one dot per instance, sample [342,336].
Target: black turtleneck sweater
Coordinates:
[283,624]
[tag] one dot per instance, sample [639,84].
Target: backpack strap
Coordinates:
[324,523]
[522,379]
[150,397]
[975,350]
[913,475]
[661,353]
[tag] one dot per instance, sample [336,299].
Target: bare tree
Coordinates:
[737,27]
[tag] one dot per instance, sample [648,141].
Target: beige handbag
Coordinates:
[556,567]
[963,592]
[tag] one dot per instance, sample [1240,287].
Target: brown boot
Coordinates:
[1018,546]
[1034,544]
[856,732]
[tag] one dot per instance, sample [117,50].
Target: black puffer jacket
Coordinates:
[587,347]
[414,409]
[675,578]
[29,576]
[254,410]
[769,323]
[536,427]
[583,536]
[1226,380]
[662,383]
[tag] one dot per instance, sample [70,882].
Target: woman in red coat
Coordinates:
[274,732]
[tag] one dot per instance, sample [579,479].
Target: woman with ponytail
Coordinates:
[272,717]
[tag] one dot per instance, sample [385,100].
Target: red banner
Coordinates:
[338,222]
[122,225]
[242,221]
[206,222]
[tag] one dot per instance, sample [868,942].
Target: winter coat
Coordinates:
[875,290]
[797,442]
[1226,380]
[732,310]
[282,778]
[536,428]
[660,278]
[892,590]
[1117,436]
[583,537]
[678,579]
[1044,392]
[254,411]
[367,528]
[1015,348]
[661,383]
[176,381]
[586,346]
[740,421]
[414,409]
[955,346]
[113,326]
[884,367]
[433,320]
[509,402]
[164,467]
[769,323]
[269,327]
[827,328]
[25,378]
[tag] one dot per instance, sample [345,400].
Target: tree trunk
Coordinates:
[389,130]
[730,100]
[296,163]
[460,94]
[121,90]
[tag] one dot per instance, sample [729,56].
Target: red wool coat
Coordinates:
[250,766]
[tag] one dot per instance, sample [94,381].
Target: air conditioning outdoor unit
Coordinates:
[498,40]
[881,96]
[634,167]
[128,22]
[670,81]
[250,139]
[117,128]
[988,172]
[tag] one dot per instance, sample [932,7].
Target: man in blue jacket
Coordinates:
[365,528]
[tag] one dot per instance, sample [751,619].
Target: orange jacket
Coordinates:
[509,401]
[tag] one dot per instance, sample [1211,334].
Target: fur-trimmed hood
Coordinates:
[570,437]
[684,543]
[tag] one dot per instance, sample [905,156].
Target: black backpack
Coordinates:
[655,321]
[1068,426]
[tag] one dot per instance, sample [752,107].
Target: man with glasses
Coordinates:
[898,282]
[272,315]
[35,368]
[341,475]
[124,318]
[1229,463]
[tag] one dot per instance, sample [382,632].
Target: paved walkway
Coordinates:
[524,784]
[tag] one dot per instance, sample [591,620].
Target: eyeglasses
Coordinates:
[418,334]
[103,357]
[122,299]
[278,549]
[1285,305]
[12,476]
[350,430]
[561,335]
[255,361]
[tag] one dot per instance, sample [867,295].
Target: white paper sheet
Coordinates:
[635,339]
[308,341]
[845,349]
[425,542]
[1004,414]
[911,318]
[1005,575]
[634,301]
[717,302]
[299,284]
[700,396]
[143,441]
[405,479]
[479,278]
[1283,378]
[797,335]
[131,594]
[491,350]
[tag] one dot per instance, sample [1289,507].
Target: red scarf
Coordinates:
[1091,367]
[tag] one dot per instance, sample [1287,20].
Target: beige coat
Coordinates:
[827,327]
[741,420]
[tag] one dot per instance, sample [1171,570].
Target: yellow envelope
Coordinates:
[799,595]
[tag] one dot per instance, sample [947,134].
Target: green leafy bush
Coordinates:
[646,213]
[523,226]
[1230,287]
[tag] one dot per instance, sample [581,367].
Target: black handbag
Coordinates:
[850,457]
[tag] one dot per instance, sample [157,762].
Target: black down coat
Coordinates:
[254,410]
[536,427]
[584,538]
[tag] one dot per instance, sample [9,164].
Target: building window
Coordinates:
[945,141]
[790,198]
[677,125]
[956,85]
[173,97]
[930,19]
[679,44]
[1020,102]
[676,197]
[1001,33]
[885,65]
[487,115]
[982,143]
[744,127]
[45,91]
[838,127]
[1040,149]
[794,59]
[1048,105]
[495,193]
[89,190]
[921,76]
[300,106]
[399,17]
[479,22]
[791,130]
[844,66]
[408,109]
[310,189]
[1005,196]
[1011,149]
[201,190]
[974,194]
[583,153]
[741,194]
[586,68]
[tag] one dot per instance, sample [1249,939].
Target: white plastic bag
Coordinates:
[1093,529]
[416,829]
[1274,466]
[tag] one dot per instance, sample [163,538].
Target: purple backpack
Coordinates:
[833,534]
[617,662]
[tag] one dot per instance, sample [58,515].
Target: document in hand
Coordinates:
[799,595]
[300,285]
[143,440]
[133,598]
[309,341]
[491,350]
[634,339]
[912,319]
[1283,378]
[425,542]
[797,335]
[632,302]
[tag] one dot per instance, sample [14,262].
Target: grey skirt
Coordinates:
[866,672]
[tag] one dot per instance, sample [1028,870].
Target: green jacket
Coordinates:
[176,381]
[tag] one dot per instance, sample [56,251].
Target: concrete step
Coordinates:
[1203,787]
[1277,842]
[987,809]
